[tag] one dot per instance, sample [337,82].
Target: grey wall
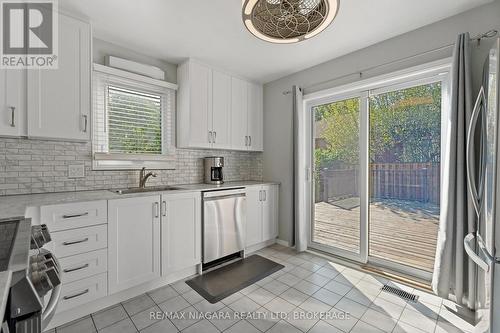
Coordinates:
[35,166]
[278,107]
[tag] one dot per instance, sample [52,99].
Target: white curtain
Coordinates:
[300,234]
[454,273]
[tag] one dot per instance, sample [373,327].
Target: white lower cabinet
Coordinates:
[180,231]
[262,214]
[144,231]
[84,265]
[82,291]
[134,241]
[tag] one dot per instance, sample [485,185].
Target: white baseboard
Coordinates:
[282,242]
[259,246]
[62,318]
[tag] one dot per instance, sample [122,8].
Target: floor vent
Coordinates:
[400,293]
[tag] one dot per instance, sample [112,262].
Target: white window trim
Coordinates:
[425,73]
[120,161]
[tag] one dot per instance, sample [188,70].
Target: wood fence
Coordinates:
[400,181]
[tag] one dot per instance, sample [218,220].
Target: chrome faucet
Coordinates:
[143,177]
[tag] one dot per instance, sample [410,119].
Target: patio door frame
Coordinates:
[414,76]
[362,256]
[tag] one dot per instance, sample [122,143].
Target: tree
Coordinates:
[405,127]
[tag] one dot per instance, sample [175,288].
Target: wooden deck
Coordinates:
[400,231]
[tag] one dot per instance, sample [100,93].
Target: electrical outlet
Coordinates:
[76,171]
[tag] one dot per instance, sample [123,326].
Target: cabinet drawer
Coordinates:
[74,215]
[84,265]
[82,291]
[82,240]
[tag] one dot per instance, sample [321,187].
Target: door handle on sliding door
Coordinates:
[469,245]
[470,158]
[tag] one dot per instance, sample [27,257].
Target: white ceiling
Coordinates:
[212,31]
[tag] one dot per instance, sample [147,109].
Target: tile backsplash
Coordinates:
[37,166]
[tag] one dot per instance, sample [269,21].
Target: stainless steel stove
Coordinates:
[35,276]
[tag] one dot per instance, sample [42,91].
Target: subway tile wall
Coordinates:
[38,166]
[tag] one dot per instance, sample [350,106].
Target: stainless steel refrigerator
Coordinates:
[485,189]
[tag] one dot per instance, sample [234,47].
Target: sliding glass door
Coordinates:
[405,153]
[376,156]
[337,153]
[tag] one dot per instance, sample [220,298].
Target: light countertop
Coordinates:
[16,206]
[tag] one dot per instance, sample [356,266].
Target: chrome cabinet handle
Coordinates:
[260,195]
[76,242]
[265,195]
[249,140]
[246,140]
[85,119]
[12,116]
[76,295]
[164,208]
[209,136]
[156,208]
[68,270]
[215,136]
[75,215]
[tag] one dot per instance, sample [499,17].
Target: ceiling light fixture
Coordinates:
[288,21]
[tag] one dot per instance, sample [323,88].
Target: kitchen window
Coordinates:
[132,121]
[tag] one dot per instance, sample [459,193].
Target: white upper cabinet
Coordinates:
[58,100]
[194,97]
[255,117]
[221,110]
[217,110]
[12,102]
[239,107]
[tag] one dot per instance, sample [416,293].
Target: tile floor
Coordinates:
[349,300]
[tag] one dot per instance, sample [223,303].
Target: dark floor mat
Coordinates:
[225,281]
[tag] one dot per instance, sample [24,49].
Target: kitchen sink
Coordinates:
[146,189]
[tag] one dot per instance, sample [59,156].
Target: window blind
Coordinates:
[134,121]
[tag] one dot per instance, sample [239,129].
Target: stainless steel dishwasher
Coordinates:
[224,219]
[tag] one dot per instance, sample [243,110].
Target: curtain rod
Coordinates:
[489,34]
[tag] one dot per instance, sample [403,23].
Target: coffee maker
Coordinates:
[213,170]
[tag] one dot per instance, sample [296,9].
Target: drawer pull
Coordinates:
[76,242]
[76,295]
[75,215]
[67,270]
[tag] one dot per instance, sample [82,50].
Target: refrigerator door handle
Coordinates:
[484,259]
[471,181]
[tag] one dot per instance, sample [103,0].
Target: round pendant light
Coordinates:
[288,21]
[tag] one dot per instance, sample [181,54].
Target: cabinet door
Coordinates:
[200,121]
[180,231]
[133,241]
[269,212]
[59,99]
[255,117]
[12,102]
[239,94]
[221,110]
[254,216]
